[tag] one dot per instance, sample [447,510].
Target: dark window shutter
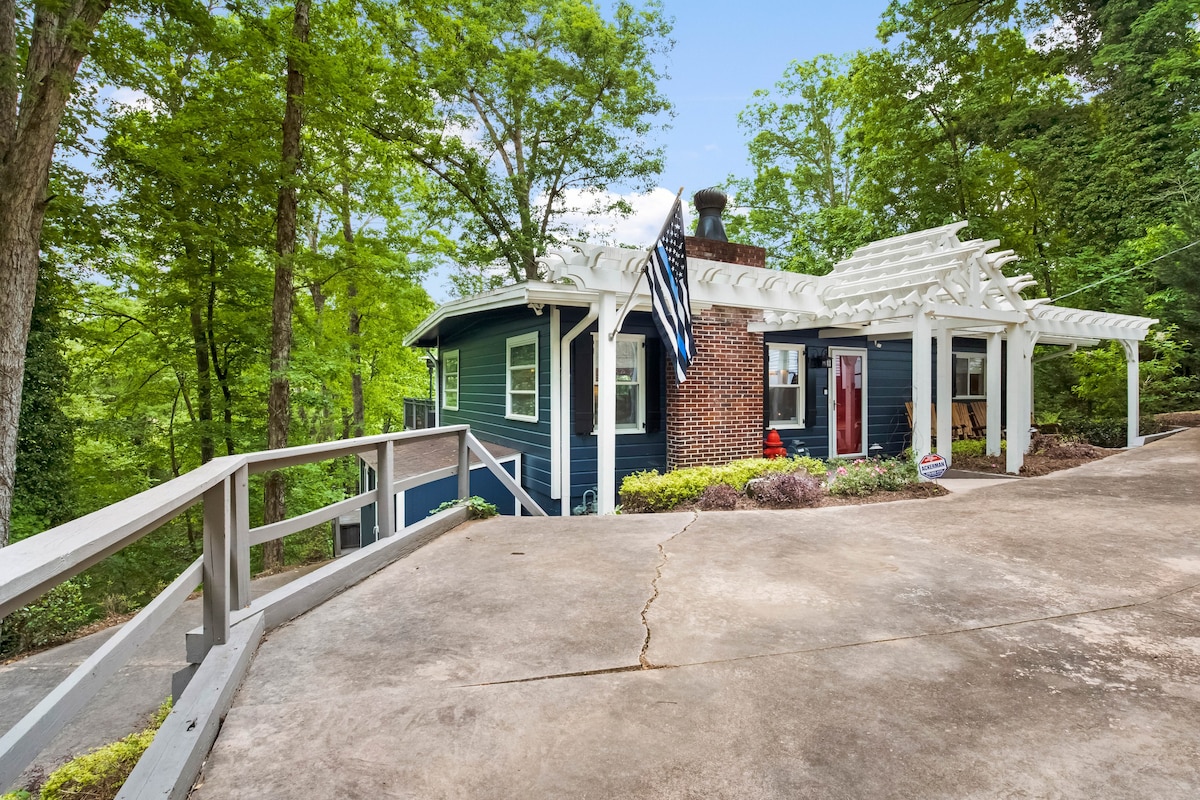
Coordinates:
[655,375]
[581,384]
[812,377]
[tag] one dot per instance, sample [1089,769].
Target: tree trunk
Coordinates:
[203,380]
[279,411]
[32,101]
[354,325]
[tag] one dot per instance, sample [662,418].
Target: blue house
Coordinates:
[834,363]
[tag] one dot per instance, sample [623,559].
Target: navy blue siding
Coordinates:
[635,452]
[889,387]
[420,500]
[481,343]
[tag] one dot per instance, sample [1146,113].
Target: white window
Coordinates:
[785,385]
[450,380]
[631,379]
[522,381]
[970,376]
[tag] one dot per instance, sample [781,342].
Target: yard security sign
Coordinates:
[932,466]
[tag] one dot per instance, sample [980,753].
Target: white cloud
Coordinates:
[132,99]
[639,229]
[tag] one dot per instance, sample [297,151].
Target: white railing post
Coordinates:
[239,548]
[384,481]
[464,467]
[216,565]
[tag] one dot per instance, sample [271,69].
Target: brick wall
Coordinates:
[729,252]
[716,415]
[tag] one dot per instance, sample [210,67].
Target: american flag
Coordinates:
[667,274]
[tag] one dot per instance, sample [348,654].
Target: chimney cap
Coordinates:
[710,203]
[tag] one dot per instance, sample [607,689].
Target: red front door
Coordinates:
[848,389]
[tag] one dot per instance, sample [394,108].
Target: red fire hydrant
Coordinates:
[773,445]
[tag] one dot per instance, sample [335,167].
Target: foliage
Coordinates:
[1101,377]
[967,447]
[477,507]
[787,490]
[523,113]
[865,476]
[801,204]
[48,620]
[718,497]
[650,491]
[99,775]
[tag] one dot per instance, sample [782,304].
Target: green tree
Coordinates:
[41,47]
[522,111]
[802,202]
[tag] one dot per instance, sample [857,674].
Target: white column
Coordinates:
[945,393]
[1019,378]
[606,407]
[922,384]
[1133,399]
[556,414]
[994,401]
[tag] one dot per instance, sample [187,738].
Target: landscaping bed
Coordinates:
[779,483]
[1047,453]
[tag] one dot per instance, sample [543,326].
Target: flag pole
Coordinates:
[628,305]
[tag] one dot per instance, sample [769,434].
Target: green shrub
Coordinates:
[863,477]
[58,613]
[968,447]
[99,775]
[477,507]
[651,491]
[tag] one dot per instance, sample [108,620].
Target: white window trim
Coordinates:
[509,344]
[968,354]
[640,425]
[457,375]
[801,387]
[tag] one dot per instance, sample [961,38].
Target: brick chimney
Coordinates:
[716,415]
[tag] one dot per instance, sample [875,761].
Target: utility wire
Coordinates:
[1124,272]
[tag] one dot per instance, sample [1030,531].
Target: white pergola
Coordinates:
[925,286]
[930,286]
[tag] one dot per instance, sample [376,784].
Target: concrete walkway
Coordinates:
[1036,639]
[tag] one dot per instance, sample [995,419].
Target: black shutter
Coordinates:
[581,384]
[812,377]
[656,372]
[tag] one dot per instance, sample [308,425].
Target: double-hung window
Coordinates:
[522,377]
[970,376]
[450,380]
[785,385]
[631,379]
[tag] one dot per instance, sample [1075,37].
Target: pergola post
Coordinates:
[994,399]
[1133,399]
[1020,376]
[922,383]
[945,393]
[606,406]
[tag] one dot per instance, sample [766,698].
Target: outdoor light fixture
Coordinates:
[875,449]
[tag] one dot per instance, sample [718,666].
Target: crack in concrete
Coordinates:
[658,571]
[644,664]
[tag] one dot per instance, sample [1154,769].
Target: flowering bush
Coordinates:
[788,491]
[718,497]
[862,477]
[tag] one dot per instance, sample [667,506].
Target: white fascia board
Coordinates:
[521,294]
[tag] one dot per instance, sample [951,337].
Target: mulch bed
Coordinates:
[916,491]
[1180,419]
[1047,454]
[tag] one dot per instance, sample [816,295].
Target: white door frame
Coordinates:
[834,352]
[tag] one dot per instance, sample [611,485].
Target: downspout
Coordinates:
[562,469]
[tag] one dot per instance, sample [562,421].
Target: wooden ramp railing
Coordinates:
[232,624]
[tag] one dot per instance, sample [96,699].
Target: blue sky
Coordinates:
[746,47]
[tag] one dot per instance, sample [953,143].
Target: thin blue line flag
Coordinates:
[667,274]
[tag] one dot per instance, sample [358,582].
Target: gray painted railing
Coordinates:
[33,566]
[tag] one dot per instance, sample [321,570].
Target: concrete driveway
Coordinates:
[1036,639]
